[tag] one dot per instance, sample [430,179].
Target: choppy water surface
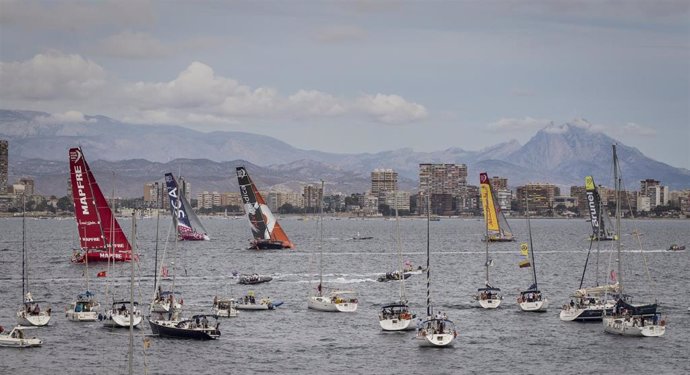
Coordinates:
[293,339]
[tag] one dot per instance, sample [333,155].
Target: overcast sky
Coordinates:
[360,76]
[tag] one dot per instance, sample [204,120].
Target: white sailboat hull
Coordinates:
[27,319]
[121,321]
[535,306]
[397,324]
[490,303]
[629,327]
[590,312]
[435,340]
[163,307]
[82,316]
[321,304]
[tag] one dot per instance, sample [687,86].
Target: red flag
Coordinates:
[613,276]
[101,274]
[165,271]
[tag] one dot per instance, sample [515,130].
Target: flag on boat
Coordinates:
[164,271]
[524,263]
[490,263]
[613,276]
[147,342]
[524,249]
[101,274]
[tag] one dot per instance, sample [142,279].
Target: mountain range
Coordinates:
[136,154]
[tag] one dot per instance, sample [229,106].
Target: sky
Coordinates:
[359,76]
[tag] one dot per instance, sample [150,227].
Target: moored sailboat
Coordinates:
[30,314]
[333,300]
[187,224]
[490,297]
[532,298]
[267,232]
[100,237]
[628,319]
[398,316]
[590,303]
[436,330]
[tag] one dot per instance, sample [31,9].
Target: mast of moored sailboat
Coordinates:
[531,246]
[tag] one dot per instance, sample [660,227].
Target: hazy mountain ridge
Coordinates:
[561,154]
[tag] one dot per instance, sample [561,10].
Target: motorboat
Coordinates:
[84,309]
[253,279]
[17,338]
[225,307]
[249,302]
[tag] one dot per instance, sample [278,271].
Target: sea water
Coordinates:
[293,339]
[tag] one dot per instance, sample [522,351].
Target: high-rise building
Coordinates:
[4,166]
[312,198]
[441,180]
[541,197]
[397,199]
[499,183]
[152,194]
[658,194]
[383,180]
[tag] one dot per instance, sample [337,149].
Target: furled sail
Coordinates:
[188,225]
[265,228]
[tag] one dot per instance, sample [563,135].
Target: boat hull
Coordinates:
[254,307]
[171,330]
[321,304]
[16,339]
[121,321]
[82,316]
[535,306]
[249,281]
[104,256]
[37,320]
[435,340]
[592,313]
[397,324]
[629,327]
[490,303]
[271,245]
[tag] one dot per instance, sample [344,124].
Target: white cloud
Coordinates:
[50,76]
[196,95]
[526,124]
[135,45]
[391,109]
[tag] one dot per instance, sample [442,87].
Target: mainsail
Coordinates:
[188,225]
[98,229]
[600,226]
[268,234]
[496,223]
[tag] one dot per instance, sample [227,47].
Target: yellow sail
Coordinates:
[524,249]
[489,209]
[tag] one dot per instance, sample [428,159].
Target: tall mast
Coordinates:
[601,218]
[131,293]
[618,216]
[486,228]
[321,240]
[398,241]
[531,246]
[23,246]
[155,267]
[428,251]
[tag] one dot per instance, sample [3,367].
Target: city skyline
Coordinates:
[479,73]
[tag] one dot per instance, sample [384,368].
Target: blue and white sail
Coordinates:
[189,228]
